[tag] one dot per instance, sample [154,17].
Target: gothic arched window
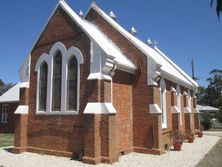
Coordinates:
[57,80]
[43,86]
[72,84]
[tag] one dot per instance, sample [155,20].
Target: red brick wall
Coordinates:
[8,127]
[122,101]
[133,125]
[20,138]
[142,94]
[59,132]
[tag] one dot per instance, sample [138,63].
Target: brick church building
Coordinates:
[92,88]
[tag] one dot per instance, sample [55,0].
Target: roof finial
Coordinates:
[94,2]
[133,31]
[155,43]
[149,42]
[112,15]
[81,14]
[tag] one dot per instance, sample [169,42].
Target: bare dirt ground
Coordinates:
[214,157]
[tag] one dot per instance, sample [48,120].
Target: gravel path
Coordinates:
[213,158]
[190,155]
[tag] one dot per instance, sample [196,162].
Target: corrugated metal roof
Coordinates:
[12,95]
[166,64]
[207,108]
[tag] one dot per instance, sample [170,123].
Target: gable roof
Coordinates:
[12,95]
[96,35]
[167,66]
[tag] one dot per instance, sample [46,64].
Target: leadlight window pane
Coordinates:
[43,86]
[56,86]
[5,112]
[72,84]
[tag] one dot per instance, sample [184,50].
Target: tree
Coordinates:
[4,87]
[213,95]
[218,7]
[1,83]
[201,95]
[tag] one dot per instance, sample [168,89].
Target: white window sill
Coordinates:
[164,126]
[4,122]
[57,113]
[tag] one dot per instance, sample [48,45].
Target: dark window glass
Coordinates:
[72,85]
[56,85]
[43,86]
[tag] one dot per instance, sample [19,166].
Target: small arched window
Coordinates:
[163,103]
[43,86]
[72,84]
[57,80]
[178,93]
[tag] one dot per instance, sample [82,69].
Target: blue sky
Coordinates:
[183,29]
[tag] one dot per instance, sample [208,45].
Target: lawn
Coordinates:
[6,139]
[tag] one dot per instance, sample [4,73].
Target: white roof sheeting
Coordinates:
[12,95]
[94,33]
[166,64]
[207,108]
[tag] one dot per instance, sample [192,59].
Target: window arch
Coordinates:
[43,79]
[178,94]
[57,82]
[72,84]
[163,102]
[63,80]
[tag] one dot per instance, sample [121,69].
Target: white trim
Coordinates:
[174,109]
[66,55]
[189,100]
[57,113]
[98,76]
[22,109]
[196,110]
[24,85]
[155,109]
[111,87]
[172,89]
[184,93]
[187,110]
[178,94]
[43,58]
[99,108]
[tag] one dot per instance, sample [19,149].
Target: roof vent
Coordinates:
[112,15]
[149,42]
[133,31]
[81,14]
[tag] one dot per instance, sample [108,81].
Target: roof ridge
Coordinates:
[130,37]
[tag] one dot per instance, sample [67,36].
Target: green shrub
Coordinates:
[206,121]
[219,116]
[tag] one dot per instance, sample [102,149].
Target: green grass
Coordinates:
[6,139]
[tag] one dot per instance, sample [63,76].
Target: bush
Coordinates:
[206,121]
[219,116]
